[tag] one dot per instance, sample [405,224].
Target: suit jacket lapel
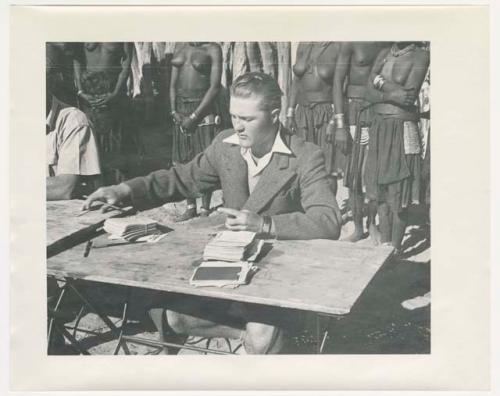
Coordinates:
[272,179]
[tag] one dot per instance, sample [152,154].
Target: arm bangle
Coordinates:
[193,115]
[290,112]
[378,82]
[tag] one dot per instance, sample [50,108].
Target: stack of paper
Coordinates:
[131,228]
[233,246]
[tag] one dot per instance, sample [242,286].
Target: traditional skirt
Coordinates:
[108,123]
[187,144]
[312,122]
[393,163]
[359,117]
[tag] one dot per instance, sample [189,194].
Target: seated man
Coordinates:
[73,167]
[273,183]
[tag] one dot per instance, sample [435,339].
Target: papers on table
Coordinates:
[228,258]
[233,246]
[132,228]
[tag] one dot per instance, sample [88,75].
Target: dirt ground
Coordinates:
[377,324]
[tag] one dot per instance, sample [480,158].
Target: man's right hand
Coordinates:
[111,195]
[404,96]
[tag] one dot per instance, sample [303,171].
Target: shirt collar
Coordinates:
[278,146]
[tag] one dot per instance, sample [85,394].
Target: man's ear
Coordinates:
[275,115]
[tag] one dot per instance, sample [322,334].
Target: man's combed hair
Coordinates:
[258,84]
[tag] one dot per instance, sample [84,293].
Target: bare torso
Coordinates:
[194,65]
[362,58]
[314,71]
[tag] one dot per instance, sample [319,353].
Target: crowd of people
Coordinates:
[276,126]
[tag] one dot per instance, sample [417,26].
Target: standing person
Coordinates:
[310,108]
[393,163]
[73,165]
[101,73]
[195,83]
[353,111]
[60,55]
[273,183]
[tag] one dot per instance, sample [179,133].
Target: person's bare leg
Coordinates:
[333,181]
[205,204]
[399,223]
[190,211]
[356,201]
[385,223]
[187,324]
[260,338]
[372,227]
[157,315]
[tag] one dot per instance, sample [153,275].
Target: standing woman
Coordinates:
[310,109]
[393,165]
[353,113]
[195,83]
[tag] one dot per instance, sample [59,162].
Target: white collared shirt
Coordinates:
[255,166]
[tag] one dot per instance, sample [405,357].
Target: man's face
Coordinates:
[252,124]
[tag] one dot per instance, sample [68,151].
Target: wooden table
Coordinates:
[320,276]
[67,225]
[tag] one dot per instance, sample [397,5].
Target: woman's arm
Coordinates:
[125,71]
[341,70]
[337,125]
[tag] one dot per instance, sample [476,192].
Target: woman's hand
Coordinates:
[177,118]
[188,123]
[291,125]
[341,139]
[402,96]
[104,100]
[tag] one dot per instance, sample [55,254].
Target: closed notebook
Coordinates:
[221,274]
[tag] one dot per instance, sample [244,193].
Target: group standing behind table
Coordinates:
[384,158]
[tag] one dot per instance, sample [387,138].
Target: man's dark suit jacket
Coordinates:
[293,189]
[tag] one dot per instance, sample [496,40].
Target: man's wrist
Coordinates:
[266,225]
[124,191]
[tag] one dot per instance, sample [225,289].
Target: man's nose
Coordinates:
[238,126]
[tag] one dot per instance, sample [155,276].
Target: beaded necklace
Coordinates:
[400,52]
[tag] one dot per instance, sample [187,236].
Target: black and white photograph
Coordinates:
[217,198]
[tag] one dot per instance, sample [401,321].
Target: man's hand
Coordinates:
[291,125]
[341,139]
[242,220]
[404,97]
[111,195]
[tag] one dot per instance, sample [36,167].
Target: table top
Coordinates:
[66,229]
[322,276]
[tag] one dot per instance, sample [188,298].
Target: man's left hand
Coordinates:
[242,220]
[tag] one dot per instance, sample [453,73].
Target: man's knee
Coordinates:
[262,338]
[177,322]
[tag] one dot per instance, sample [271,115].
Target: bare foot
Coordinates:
[187,215]
[355,236]
[204,212]
[374,234]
